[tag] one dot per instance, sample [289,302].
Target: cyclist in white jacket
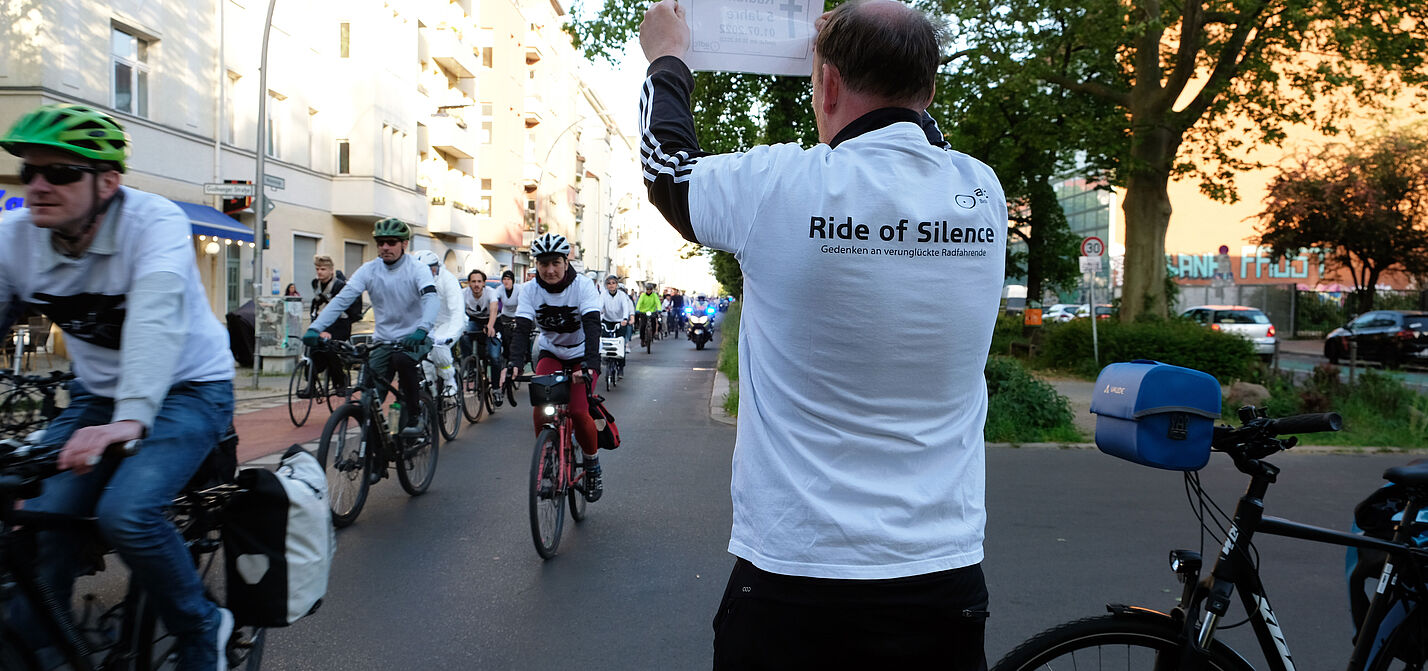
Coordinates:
[450,321]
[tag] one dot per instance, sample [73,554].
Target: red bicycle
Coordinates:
[557,466]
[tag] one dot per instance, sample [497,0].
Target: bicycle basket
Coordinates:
[550,389]
[1155,414]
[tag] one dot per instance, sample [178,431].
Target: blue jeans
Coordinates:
[128,498]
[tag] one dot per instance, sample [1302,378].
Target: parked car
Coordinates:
[1391,337]
[1060,312]
[1246,322]
[1103,311]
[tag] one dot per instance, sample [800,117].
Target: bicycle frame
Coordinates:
[1234,567]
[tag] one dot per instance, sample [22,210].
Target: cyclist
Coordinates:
[406,304]
[329,283]
[510,296]
[480,318]
[448,325]
[647,309]
[616,306]
[568,311]
[114,268]
[676,314]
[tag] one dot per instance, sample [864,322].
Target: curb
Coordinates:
[716,400]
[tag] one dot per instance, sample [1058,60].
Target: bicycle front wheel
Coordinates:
[417,462]
[157,650]
[1118,641]
[473,389]
[576,494]
[299,408]
[547,497]
[343,451]
[450,409]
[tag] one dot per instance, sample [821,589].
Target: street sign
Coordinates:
[267,207]
[1093,246]
[1090,264]
[274,182]
[227,190]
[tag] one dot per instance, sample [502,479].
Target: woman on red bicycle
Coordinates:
[567,308]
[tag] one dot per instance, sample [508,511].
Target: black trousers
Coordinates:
[778,622]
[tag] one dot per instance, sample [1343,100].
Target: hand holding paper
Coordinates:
[759,36]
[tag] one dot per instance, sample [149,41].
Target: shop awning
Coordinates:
[208,221]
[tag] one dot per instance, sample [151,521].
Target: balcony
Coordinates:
[530,176]
[450,219]
[533,52]
[447,49]
[367,199]
[446,134]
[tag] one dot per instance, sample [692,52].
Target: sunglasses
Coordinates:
[388,242]
[57,174]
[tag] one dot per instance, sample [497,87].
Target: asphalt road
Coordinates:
[450,580]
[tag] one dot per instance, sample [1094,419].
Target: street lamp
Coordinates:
[259,198]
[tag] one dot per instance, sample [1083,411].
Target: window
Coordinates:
[274,124]
[230,113]
[344,157]
[487,56]
[352,255]
[131,73]
[344,40]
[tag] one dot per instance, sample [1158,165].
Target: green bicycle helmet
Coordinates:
[392,227]
[77,129]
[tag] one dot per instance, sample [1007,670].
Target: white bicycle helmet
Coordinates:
[427,257]
[550,243]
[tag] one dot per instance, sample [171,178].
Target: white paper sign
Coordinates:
[772,37]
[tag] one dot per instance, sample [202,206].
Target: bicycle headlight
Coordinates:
[549,410]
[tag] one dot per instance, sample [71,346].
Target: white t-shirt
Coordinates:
[510,302]
[854,461]
[616,307]
[86,296]
[559,315]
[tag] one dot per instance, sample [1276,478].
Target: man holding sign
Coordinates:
[858,500]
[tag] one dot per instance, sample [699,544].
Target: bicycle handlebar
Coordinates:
[1310,423]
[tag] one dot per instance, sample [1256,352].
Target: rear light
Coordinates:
[1271,331]
[1405,334]
[1214,327]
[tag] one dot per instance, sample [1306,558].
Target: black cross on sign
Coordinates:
[793,9]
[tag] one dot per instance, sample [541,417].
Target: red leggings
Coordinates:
[585,433]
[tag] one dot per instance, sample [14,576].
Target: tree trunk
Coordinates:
[1147,212]
[1041,197]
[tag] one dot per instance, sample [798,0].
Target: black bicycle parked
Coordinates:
[28,402]
[1393,634]
[360,441]
[129,635]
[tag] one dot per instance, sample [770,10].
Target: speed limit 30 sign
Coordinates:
[1093,246]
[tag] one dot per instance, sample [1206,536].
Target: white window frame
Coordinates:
[138,63]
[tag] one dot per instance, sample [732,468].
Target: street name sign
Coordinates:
[274,182]
[771,37]
[227,190]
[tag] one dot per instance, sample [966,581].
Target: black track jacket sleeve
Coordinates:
[668,146]
[519,348]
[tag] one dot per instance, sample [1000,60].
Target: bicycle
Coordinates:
[1393,630]
[306,386]
[612,354]
[647,330]
[449,406]
[557,465]
[29,403]
[359,441]
[477,392]
[129,635]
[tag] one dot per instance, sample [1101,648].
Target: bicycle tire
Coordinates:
[1404,648]
[20,411]
[156,650]
[474,388]
[345,463]
[416,459]
[299,409]
[576,495]
[547,510]
[1111,642]
[609,377]
[449,409]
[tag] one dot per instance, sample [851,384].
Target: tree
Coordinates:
[1194,82]
[1364,207]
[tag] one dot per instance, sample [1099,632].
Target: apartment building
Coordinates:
[434,111]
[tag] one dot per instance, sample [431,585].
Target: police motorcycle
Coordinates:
[612,353]
[700,330]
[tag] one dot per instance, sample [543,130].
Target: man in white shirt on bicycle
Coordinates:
[450,322]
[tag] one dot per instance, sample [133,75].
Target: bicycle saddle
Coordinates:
[1412,475]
